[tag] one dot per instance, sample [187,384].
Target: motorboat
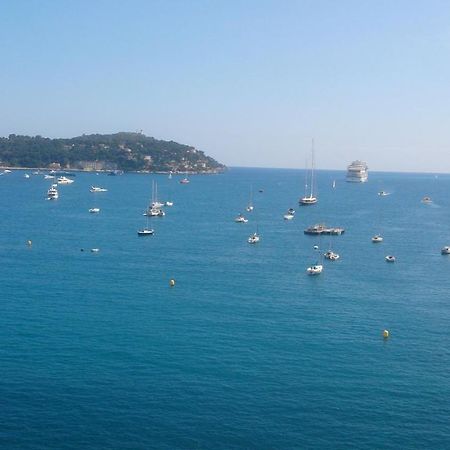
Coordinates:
[94,210]
[253,239]
[97,189]
[390,258]
[315,269]
[331,255]
[445,250]
[240,219]
[146,232]
[168,203]
[427,200]
[290,214]
[95,250]
[52,193]
[64,180]
[49,177]
[26,175]
[383,193]
[377,238]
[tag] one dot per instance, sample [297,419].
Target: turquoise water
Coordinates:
[246,351]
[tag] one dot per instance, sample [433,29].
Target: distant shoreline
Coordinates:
[160,172]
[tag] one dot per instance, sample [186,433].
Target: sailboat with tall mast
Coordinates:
[309,198]
[250,202]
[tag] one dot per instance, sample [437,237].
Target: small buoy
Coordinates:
[385,334]
[29,243]
[172,282]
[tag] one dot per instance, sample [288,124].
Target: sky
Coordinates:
[248,82]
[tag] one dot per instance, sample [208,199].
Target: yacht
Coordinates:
[357,172]
[377,238]
[154,212]
[240,219]
[64,180]
[52,193]
[97,189]
[253,239]
[315,269]
[445,250]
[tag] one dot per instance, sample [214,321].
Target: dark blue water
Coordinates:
[246,351]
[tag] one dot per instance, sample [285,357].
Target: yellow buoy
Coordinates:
[172,282]
[385,334]
[29,243]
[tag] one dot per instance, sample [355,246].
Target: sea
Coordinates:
[245,351]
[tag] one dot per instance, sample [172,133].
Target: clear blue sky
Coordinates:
[249,82]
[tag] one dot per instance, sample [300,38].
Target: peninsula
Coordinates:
[120,151]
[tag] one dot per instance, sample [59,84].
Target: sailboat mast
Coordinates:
[312,167]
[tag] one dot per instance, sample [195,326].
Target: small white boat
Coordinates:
[315,269]
[6,171]
[184,180]
[169,203]
[64,180]
[26,176]
[49,177]
[52,193]
[427,200]
[445,250]
[95,250]
[253,239]
[331,255]
[390,258]
[290,214]
[377,238]
[383,193]
[94,210]
[146,232]
[240,219]
[97,189]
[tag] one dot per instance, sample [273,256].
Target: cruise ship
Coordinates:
[357,172]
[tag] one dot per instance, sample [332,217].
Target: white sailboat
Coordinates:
[250,202]
[147,231]
[309,198]
[254,238]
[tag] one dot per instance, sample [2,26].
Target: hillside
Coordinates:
[123,151]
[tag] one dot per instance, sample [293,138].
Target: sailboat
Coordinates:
[154,209]
[250,203]
[254,238]
[147,231]
[309,199]
[315,269]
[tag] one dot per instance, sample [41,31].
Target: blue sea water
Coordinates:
[246,351]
